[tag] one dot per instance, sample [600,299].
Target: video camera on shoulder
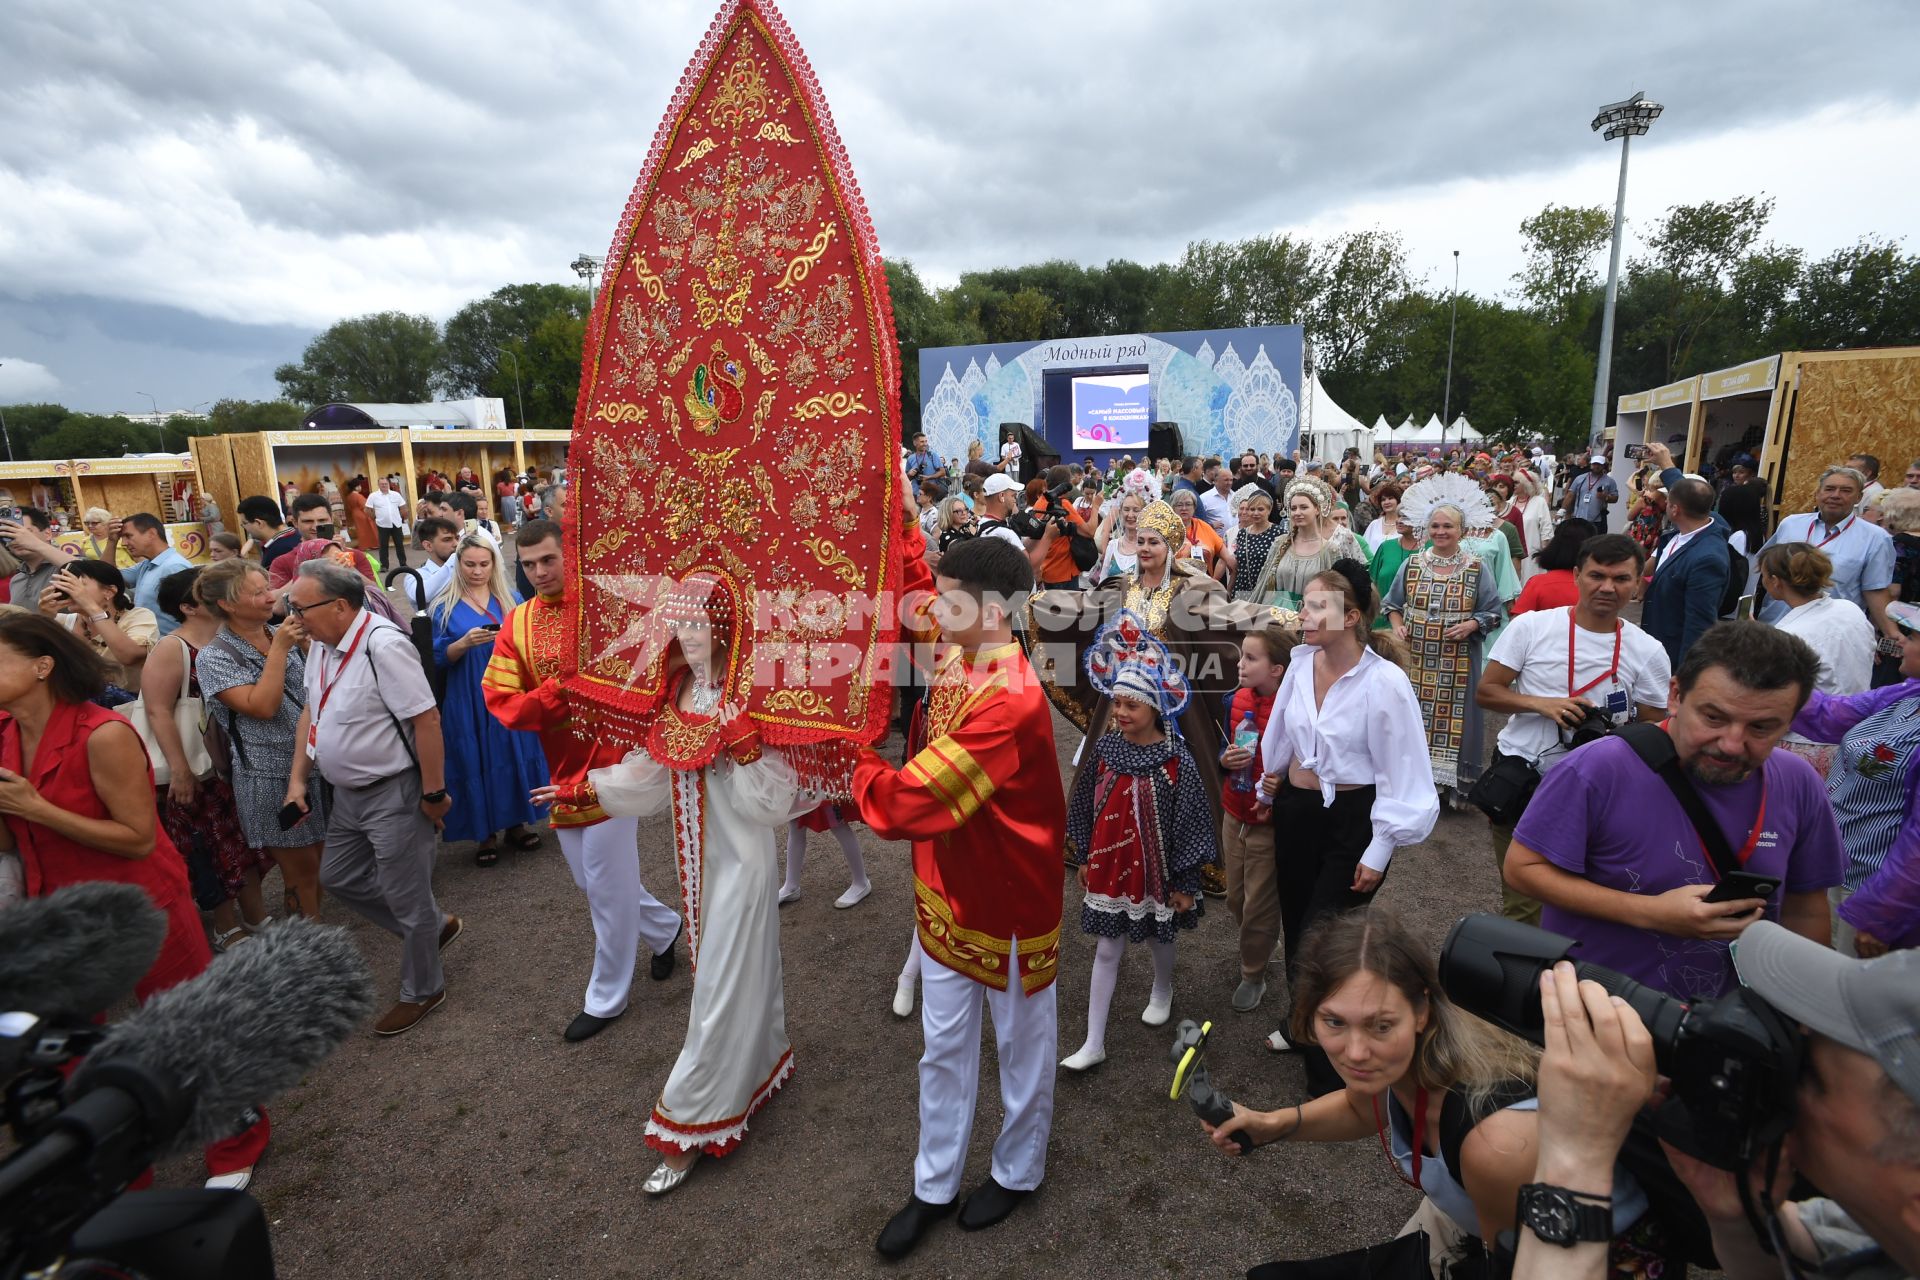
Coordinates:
[1735,1062]
[1032,523]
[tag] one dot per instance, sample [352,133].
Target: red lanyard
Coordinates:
[1608,674]
[1753,837]
[1419,1137]
[1815,519]
[327,686]
[486,611]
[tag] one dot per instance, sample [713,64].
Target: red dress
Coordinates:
[62,775]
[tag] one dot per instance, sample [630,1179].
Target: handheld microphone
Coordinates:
[247,1029]
[77,951]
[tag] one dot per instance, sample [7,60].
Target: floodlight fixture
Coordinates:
[1634,116]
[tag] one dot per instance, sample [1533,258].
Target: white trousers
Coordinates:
[1026,1030]
[605,861]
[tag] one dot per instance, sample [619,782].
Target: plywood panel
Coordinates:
[213,459]
[253,468]
[1847,407]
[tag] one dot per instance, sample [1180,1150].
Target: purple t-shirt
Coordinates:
[1605,816]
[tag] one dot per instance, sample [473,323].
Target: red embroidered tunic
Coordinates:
[62,775]
[522,689]
[982,803]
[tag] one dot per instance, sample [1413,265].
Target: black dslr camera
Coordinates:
[1734,1062]
[1033,524]
[1594,724]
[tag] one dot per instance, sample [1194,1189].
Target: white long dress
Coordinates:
[736,1053]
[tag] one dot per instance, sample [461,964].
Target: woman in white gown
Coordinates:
[728,793]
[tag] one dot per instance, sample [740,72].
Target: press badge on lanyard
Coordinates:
[326,691]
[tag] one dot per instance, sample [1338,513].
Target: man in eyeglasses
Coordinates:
[371,727]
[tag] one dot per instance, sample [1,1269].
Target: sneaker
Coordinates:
[404,1015]
[1213,881]
[1248,995]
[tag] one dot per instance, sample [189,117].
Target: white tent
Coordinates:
[1331,430]
[1463,430]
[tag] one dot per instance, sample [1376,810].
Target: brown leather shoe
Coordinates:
[404,1015]
[450,930]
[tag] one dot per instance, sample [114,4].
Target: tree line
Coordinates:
[1709,290]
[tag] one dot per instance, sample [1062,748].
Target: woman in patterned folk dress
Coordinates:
[727,793]
[1141,828]
[1442,605]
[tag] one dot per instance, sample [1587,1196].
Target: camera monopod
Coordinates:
[1190,1080]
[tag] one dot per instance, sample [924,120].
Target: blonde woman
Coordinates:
[491,769]
[1117,537]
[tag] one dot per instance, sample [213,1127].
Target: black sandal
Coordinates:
[526,841]
[486,855]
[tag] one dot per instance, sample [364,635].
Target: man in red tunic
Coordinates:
[982,803]
[522,689]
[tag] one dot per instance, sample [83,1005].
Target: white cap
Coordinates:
[999,482]
[1598,457]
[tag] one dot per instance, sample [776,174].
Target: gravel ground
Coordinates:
[481,1143]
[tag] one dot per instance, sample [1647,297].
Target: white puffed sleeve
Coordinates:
[767,792]
[638,787]
[1405,804]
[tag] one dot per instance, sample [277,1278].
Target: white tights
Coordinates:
[797,854]
[1106,973]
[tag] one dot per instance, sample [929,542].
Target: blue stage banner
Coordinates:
[1226,389]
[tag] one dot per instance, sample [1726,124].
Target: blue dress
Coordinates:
[490,768]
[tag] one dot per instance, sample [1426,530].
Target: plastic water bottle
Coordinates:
[1249,737]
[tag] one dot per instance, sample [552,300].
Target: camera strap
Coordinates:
[1654,746]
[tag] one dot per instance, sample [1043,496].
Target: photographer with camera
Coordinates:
[1855,1127]
[1049,530]
[1564,677]
[1641,865]
[1447,1097]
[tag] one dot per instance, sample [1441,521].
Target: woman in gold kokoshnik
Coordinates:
[1193,614]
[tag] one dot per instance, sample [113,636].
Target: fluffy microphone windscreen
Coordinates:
[77,951]
[247,1029]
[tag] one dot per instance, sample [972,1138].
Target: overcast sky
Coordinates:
[191,189]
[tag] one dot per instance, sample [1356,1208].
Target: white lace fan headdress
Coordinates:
[1449,489]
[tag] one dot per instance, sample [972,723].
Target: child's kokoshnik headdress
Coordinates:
[1126,660]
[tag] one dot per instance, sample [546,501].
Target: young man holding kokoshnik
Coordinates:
[982,802]
[522,689]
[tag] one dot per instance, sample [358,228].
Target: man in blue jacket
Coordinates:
[1690,570]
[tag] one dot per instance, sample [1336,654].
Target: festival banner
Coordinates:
[738,421]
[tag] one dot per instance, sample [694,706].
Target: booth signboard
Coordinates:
[1755,375]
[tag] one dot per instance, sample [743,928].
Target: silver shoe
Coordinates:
[665,1178]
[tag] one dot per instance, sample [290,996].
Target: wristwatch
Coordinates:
[1563,1217]
[433,797]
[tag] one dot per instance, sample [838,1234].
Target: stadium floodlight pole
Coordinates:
[3,428]
[1453,314]
[516,385]
[1622,120]
[587,266]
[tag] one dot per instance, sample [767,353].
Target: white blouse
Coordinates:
[1367,732]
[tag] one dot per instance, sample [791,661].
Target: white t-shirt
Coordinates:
[1010,452]
[1005,534]
[1535,646]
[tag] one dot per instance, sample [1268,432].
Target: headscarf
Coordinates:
[1160,517]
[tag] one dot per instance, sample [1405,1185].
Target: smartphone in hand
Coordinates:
[1736,885]
[291,816]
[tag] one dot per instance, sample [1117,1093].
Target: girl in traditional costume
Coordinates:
[728,792]
[1140,825]
[1315,540]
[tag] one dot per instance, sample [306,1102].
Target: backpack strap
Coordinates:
[1654,746]
[406,739]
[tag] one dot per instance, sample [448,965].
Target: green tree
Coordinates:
[28,423]
[1686,275]
[233,417]
[91,435]
[549,365]
[1365,275]
[1867,295]
[470,360]
[1559,276]
[386,357]
[921,318]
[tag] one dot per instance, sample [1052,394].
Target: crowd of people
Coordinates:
[1281,670]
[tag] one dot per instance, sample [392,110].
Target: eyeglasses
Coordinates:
[300,610]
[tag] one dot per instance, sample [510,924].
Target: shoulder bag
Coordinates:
[190,718]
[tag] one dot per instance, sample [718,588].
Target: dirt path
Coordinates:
[482,1144]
